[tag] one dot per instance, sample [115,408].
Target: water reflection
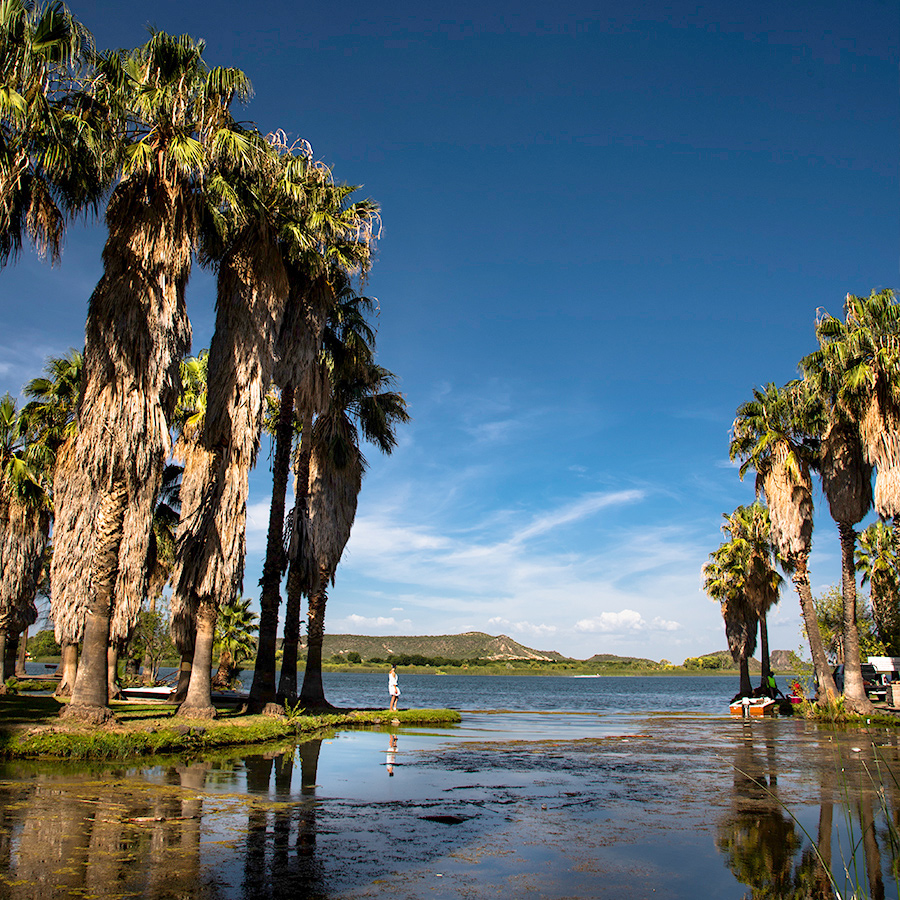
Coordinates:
[474,816]
[765,846]
[81,836]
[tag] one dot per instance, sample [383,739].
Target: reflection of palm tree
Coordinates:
[758,839]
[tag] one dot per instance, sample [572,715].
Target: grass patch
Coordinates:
[836,713]
[31,729]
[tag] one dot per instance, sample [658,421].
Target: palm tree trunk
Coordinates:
[3,673]
[112,671]
[148,676]
[68,667]
[746,687]
[184,674]
[312,694]
[198,703]
[22,654]
[825,687]
[89,694]
[765,663]
[287,685]
[854,689]
[262,691]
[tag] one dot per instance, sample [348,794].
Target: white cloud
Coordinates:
[574,512]
[627,620]
[356,624]
[528,628]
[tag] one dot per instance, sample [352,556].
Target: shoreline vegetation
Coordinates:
[30,729]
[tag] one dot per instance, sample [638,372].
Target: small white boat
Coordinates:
[150,692]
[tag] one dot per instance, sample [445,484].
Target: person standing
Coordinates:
[393,688]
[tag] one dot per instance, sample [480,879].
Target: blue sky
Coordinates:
[604,224]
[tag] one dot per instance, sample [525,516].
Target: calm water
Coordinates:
[607,695]
[550,787]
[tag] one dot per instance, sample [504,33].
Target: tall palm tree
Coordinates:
[24,526]
[190,411]
[269,203]
[847,484]
[769,435]
[361,405]
[176,128]
[347,340]
[724,578]
[342,238]
[51,143]
[749,530]
[50,417]
[877,560]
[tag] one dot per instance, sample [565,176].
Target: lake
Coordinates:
[550,788]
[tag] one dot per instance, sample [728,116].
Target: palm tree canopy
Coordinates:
[859,362]
[235,627]
[52,142]
[771,434]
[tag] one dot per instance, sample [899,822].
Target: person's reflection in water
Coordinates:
[391,754]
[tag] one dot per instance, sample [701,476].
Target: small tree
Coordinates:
[151,641]
[830,616]
[234,643]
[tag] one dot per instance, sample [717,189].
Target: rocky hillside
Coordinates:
[471,645]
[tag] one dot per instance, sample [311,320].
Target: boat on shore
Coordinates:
[753,707]
[163,693]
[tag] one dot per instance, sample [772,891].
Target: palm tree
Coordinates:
[346,340]
[769,435]
[847,483]
[361,406]
[174,111]
[252,291]
[724,577]
[51,147]
[50,420]
[749,529]
[876,558]
[234,639]
[319,277]
[190,411]
[865,351]
[24,526]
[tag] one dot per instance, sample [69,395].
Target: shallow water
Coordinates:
[515,803]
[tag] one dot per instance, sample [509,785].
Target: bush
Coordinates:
[43,644]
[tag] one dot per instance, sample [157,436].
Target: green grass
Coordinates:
[31,729]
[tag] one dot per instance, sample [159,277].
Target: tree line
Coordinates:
[133,455]
[841,421]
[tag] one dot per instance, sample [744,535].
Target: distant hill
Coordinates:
[629,660]
[471,645]
[502,648]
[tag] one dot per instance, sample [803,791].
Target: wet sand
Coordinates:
[508,804]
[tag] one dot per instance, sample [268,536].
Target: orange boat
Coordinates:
[755,708]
